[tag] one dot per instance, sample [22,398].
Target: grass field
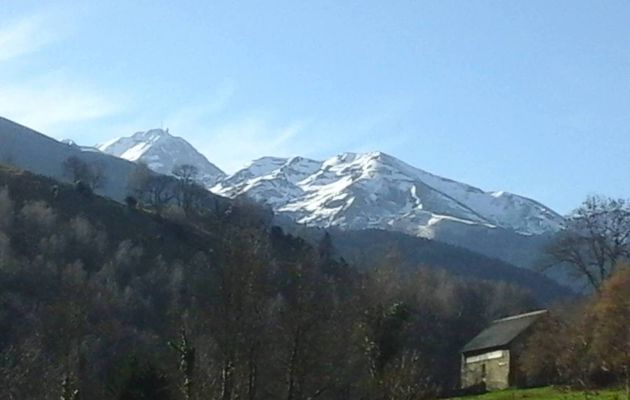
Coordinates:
[549,393]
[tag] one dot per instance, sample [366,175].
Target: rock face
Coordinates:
[162,152]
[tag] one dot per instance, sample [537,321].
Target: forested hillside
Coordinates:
[368,248]
[115,301]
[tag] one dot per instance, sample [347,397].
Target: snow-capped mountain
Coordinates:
[361,191]
[376,190]
[349,191]
[162,151]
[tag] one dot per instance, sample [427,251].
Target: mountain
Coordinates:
[125,274]
[364,249]
[376,190]
[162,151]
[35,152]
[348,192]
[32,151]
[375,248]
[365,191]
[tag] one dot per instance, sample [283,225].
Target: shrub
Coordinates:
[83,188]
[138,380]
[131,201]
[91,176]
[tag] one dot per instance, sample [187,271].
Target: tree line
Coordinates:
[103,301]
[171,298]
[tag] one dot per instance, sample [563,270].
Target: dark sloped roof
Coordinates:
[502,331]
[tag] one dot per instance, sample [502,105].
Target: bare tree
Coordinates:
[80,171]
[186,173]
[152,189]
[159,192]
[187,362]
[186,191]
[596,238]
[232,307]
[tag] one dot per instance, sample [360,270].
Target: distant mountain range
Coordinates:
[376,190]
[365,191]
[346,192]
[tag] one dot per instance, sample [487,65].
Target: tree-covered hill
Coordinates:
[367,249]
[113,300]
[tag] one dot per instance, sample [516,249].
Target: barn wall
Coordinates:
[517,377]
[497,369]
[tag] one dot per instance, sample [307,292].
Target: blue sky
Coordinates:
[531,97]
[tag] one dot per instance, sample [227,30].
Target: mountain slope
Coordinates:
[370,248]
[350,191]
[162,152]
[32,151]
[363,249]
[126,275]
[376,190]
[366,191]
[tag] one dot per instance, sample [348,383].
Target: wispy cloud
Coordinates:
[46,98]
[26,35]
[51,100]
[201,110]
[60,103]
[377,129]
[232,144]
[231,141]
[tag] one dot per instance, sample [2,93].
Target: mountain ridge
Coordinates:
[349,191]
[411,200]
[374,190]
[162,152]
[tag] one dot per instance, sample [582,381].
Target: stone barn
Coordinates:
[491,359]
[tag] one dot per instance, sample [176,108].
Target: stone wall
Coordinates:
[490,368]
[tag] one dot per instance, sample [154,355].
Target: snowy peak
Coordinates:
[377,190]
[152,135]
[134,147]
[272,180]
[349,190]
[162,152]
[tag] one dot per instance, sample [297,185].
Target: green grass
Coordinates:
[549,393]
